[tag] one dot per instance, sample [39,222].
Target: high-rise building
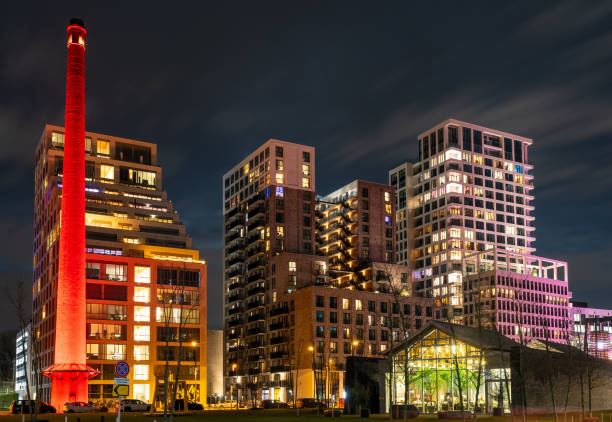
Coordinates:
[306,283]
[524,297]
[144,283]
[471,191]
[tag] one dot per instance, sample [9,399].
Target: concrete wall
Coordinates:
[214,350]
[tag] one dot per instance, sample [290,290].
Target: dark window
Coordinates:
[477,141]
[518,151]
[306,156]
[279,151]
[319,301]
[467,138]
[453,136]
[333,302]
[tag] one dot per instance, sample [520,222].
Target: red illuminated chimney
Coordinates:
[69,373]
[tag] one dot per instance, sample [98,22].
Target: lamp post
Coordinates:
[314,376]
[195,365]
[234,366]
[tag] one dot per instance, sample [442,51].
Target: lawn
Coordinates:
[275,416]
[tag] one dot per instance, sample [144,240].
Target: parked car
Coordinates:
[23,406]
[80,407]
[274,404]
[310,404]
[194,406]
[129,405]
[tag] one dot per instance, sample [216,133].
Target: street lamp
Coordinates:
[314,375]
[195,365]
[234,366]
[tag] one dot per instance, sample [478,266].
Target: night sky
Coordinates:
[210,81]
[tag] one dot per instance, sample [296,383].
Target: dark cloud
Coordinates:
[211,81]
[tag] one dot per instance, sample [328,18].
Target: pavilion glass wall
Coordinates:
[440,371]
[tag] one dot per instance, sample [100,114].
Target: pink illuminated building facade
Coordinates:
[525,297]
[470,191]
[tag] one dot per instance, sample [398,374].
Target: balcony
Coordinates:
[254,304]
[234,322]
[255,344]
[234,248]
[258,223]
[255,199]
[279,310]
[279,354]
[255,290]
[235,310]
[280,368]
[236,260]
[254,277]
[255,330]
[260,262]
[255,358]
[232,237]
[234,297]
[257,210]
[232,336]
[235,285]
[256,317]
[254,251]
[236,223]
[278,326]
[278,340]
[233,273]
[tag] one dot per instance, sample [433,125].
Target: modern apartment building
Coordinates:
[23,367]
[307,283]
[472,191]
[144,281]
[400,178]
[524,297]
[269,226]
[591,329]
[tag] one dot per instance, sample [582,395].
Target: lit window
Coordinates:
[292,266]
[280,166]
[491,216]
[141,313]
[114,351]
[87,144]
[142,333]
[279,191]
[142,294]
[280,178]
[455,233]
[280,231]
[57,140]
[305,182]
[346,304]
[116,272]
[103,147]
[131,240]
[388,208]
[358,305]
[107,172]
[142,274]
[246,168]
[306,169]
[141,372]
[387,196]
[141,352]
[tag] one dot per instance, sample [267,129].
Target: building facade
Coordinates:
[144,281]
[471,190]
[524,297]
[307,283]
[23,367]
[591,329]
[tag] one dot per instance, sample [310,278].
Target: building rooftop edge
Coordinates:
[450,120]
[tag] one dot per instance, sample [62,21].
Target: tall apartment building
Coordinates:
[143,276]
[301,290]
[400,178]
[268,219]
[472,190]
[524,297]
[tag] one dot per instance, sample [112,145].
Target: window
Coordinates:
[279,191]
[57,140]
[319,301]
[358,305]
[333,302]
[142,333]
[280,178]
[141,372]
[333,332]
[320,331]
[142,294]
[333,317]
[103,147]
[306,156]
[346,318]
[114,351]
[280,231]
[279,151]
[346,304]
[107,172]
[142,313]
[280,166]
[292,266]
[116,272]
[141,352]
[142,274]
[346,333]
[305,182]
[306,169]
[320,316]
[387,196]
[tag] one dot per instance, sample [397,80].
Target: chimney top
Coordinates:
[77,21]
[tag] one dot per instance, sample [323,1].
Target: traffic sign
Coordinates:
[122,369]
[122,381]
[121,390]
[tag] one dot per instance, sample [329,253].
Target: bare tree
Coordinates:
[297,353]
[18,299]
